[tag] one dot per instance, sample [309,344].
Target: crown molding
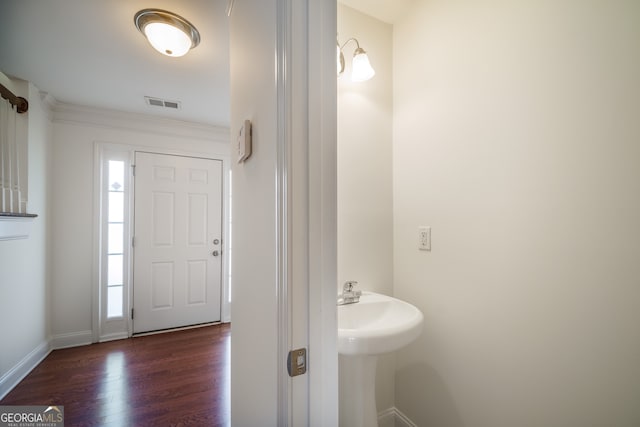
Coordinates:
[84,115]
[47,100]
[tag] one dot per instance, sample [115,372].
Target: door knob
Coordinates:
[215,253]
[216,241]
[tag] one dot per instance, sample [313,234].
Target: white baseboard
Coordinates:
[9,380]
[392,417]
[73,339]
[387,418]
[403,421]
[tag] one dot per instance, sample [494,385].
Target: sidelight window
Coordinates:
[115,236]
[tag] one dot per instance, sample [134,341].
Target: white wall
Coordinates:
[365,235]
[254,392]
[75,131]
[24,311]
[516,137]
[365,220]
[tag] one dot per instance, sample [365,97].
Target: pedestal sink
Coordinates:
[375,325]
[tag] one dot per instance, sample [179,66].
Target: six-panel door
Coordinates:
[177,252]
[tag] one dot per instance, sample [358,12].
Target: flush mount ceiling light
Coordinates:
[361,69]
[168,33]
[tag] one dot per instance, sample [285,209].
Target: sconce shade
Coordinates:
[361,67]
[167,32]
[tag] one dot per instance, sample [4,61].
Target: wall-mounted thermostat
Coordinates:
[244,142]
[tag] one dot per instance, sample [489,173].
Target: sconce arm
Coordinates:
[351,39]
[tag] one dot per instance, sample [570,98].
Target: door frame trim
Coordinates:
[322,190]
[99,147]
[283,219]
[306,168]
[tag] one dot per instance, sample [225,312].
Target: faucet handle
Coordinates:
[348,286]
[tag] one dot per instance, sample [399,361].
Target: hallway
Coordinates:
[170,379]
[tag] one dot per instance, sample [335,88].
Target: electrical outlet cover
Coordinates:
[424,238]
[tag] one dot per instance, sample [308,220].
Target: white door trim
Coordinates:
[103,329]
[283,221]
[322,212]
[306,209]
[292,208]
[99,147]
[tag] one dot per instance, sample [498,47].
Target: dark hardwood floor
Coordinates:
[172,379]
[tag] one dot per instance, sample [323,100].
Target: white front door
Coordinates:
[178,233]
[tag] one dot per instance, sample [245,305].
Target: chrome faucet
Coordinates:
[348,295]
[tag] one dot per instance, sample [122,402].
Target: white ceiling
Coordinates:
[89,52]
[389,11]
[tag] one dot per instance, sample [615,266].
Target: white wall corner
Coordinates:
[393,417]
[73,339]
[14,375]
[48,103]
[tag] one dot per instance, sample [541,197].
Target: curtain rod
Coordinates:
[21,104]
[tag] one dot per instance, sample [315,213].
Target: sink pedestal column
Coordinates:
[357,397]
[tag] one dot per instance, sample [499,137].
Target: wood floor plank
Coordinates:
[176,378]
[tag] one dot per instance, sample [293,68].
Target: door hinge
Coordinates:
[297,362]
[132,313]
[133,170]
[133,242]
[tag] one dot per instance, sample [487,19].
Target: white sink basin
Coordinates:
[377,324]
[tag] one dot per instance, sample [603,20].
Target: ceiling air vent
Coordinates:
[157,102]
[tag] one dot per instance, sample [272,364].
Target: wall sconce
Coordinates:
[361,69]
[168,33]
